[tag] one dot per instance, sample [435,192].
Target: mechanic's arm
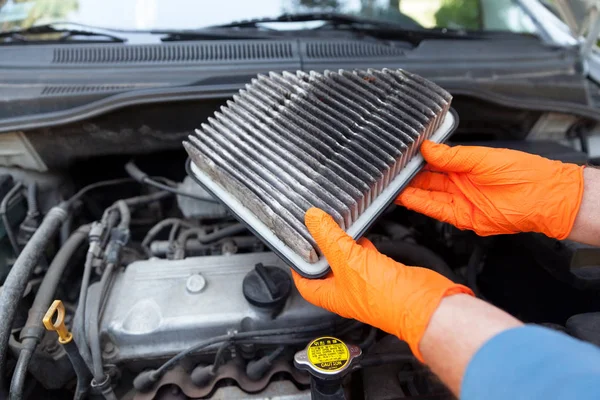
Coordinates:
[500,191]
[586,228]
[458,328]
[476,349]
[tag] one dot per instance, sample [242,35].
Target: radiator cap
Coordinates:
[327,358]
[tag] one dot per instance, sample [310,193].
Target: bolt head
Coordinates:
[195,283]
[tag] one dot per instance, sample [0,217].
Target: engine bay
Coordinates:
[168,296]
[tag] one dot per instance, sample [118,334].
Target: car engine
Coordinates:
[159,307]
[168,296]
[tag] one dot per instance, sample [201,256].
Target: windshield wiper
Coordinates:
[332,18]
[63,35]
[406,29]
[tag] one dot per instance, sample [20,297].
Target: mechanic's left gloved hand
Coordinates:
[370,287]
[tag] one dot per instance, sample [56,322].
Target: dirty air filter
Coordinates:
[346,142]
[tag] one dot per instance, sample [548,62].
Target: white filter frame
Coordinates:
[356,230]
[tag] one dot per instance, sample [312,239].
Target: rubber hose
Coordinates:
[161,247]
[147,198]
[159,227]
[221,233]
[17,384]
[84,349]
[33,331]
[33,327]
[32,208]
[16,281]
[416,255]
[204,239]
[124,213]
[5,221]
[94,321]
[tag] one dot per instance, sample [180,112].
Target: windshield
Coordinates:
[496,15]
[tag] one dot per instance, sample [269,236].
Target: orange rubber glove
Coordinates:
[496,191]
[370,287]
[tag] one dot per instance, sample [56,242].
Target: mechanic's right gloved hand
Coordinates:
[496,191]
[370,287]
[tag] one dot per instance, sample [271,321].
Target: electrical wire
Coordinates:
[220,356]
[150,182]
[83,191]
[240,336]
[140,176]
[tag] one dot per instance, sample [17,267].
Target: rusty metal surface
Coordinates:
[231,370]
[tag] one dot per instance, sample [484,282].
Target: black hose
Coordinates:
[33,331]
[162,247]
[155,230]
[3,209]
[94,321]
[172,234]
[16,281]
[65,230]
[202,238]
[84,349]
[17,384]
[124,214]
[119,237]
[33,327]
[416,255]
[32,207]
[119,210]
[140,176]
[215,235]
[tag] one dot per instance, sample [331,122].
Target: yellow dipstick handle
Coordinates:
[58,308]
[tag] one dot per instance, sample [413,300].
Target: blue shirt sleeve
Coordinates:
[532,362]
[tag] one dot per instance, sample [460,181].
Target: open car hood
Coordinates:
[576,13]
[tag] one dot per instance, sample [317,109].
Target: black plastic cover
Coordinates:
[267,287]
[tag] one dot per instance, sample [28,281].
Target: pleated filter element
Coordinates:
[346,142]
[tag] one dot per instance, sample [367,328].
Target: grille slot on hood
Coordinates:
[339,141]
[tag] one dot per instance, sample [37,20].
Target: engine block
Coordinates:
[159,307]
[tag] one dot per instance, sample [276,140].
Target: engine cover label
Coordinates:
[328,354]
